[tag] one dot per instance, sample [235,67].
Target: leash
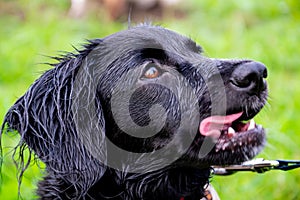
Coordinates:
[258,165]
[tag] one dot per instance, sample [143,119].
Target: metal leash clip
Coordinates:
[258,165]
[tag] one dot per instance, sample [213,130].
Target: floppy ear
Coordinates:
[46,118]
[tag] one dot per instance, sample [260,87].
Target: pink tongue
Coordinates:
[210,125]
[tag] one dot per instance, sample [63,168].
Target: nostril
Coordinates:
[249,77]
[265,73]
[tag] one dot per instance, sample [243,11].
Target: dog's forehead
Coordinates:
[155,37]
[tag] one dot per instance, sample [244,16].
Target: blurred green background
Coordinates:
[267,31]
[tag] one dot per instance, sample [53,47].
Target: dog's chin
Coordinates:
[235,141]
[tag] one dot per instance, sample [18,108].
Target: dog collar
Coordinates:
[209,194]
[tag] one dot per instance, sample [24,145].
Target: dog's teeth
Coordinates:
[224,147]
[251,124]
[231,131]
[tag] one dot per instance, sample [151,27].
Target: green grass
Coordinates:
[267,31]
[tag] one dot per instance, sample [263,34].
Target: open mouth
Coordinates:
[231,132]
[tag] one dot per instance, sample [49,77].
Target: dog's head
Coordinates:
[162,99]
[140,100]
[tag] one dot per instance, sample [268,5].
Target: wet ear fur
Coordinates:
[45,121]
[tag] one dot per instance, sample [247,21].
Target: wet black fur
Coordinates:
[44,119]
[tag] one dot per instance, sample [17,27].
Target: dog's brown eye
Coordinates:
[152,71]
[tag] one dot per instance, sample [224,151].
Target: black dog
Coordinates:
[140,114]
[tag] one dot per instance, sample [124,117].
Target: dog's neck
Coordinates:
[175,183]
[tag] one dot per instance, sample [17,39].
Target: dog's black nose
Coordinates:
[249,77]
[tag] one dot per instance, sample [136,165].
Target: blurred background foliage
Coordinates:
[268,31]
